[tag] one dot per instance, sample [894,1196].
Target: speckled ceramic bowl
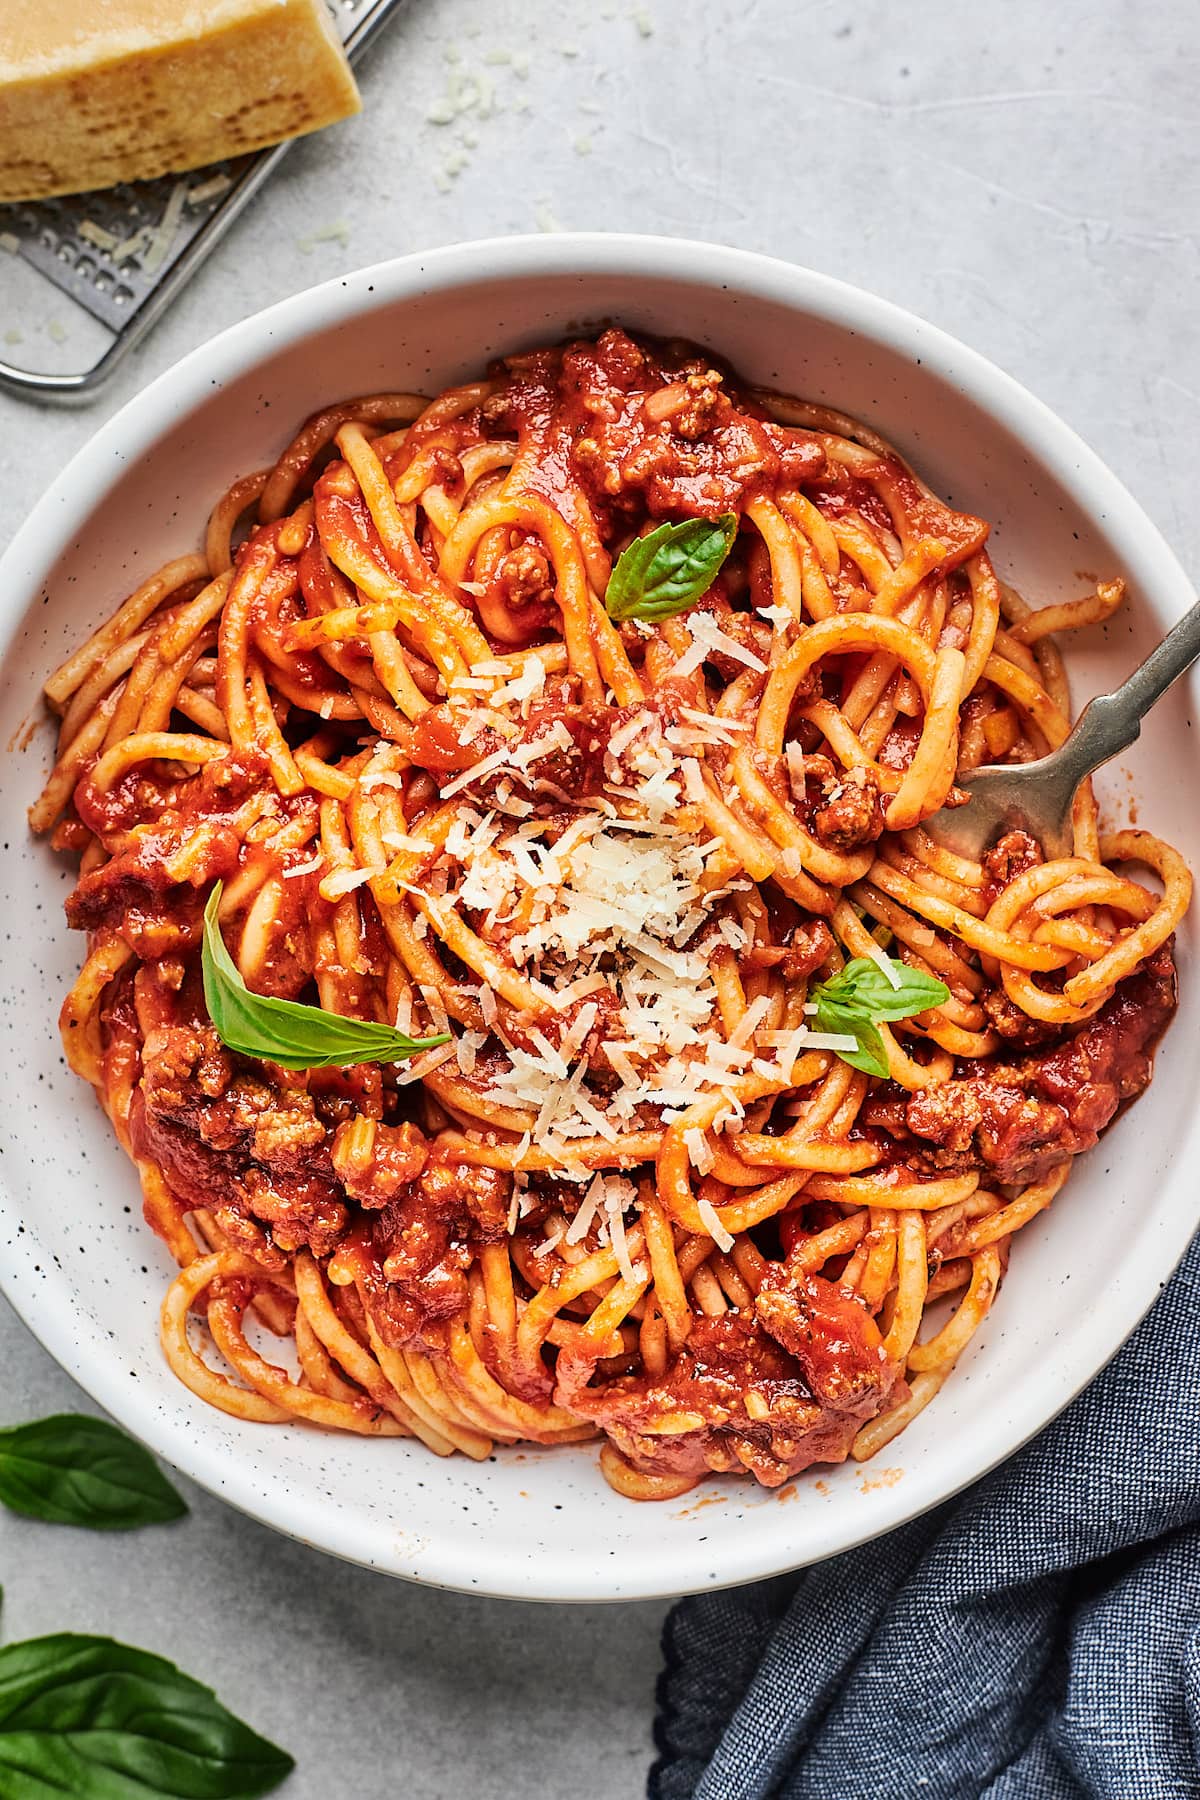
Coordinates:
[75,1257]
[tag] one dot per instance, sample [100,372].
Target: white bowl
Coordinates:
[77,1261]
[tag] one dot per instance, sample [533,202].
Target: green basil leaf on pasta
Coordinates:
[870,1053]
[72,1470]
[862,984]
[285,1031]
[860,997]
[98,1720]
[669,569]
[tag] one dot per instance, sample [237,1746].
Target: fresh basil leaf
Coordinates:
[860,997]
[863,984]
[871,1053]
[72,1470]
[285,1031]
[98,1720]
[669,569]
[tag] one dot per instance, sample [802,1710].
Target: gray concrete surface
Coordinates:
[1026,176]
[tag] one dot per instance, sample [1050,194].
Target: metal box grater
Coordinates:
[124,253]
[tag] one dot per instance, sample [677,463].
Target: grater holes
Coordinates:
[114,288]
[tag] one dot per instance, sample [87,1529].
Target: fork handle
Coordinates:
[1111,722]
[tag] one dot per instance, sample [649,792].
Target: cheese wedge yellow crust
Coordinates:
[93,92]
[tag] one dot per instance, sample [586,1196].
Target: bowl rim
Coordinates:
[656,1572]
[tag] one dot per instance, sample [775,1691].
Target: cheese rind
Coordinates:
[92,94]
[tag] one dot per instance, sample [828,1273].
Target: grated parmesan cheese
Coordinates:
[496,760]
[744,1030]
[830,1040]
[708,637]
[882,962]
[618,1194]
[403,840]
[467,1048]
[780,617]
[610,900]
[421,1066]
[344,881]
[437,1011]
[550,1242]
[793,757]
[791,1045]
[97,235]
[700,1151]
[212,189]
[163,235]
[592,1200]
[693,781]
[131,248]
[721,731]
[713,1225]
[373,778]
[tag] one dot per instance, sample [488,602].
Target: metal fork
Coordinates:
[1037,797]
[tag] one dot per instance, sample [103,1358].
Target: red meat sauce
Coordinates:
[269,1152]
[446,742]
[168,840]
[659,429]
[843,808]
[770,1390]
[617,433]
[645,431]
[1014,1120]
[656,428]
[272,1154]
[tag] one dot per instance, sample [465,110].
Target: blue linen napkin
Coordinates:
[1037,1638]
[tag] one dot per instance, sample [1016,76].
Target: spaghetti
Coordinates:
[637,1192]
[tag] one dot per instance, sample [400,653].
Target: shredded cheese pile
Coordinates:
[583,893]
[610,903]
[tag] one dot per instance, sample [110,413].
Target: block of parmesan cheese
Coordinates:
[93,92]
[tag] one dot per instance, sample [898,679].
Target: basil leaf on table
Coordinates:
[73,1470]
[98,1720]
[285,1031]
[669,569]
[860,997]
